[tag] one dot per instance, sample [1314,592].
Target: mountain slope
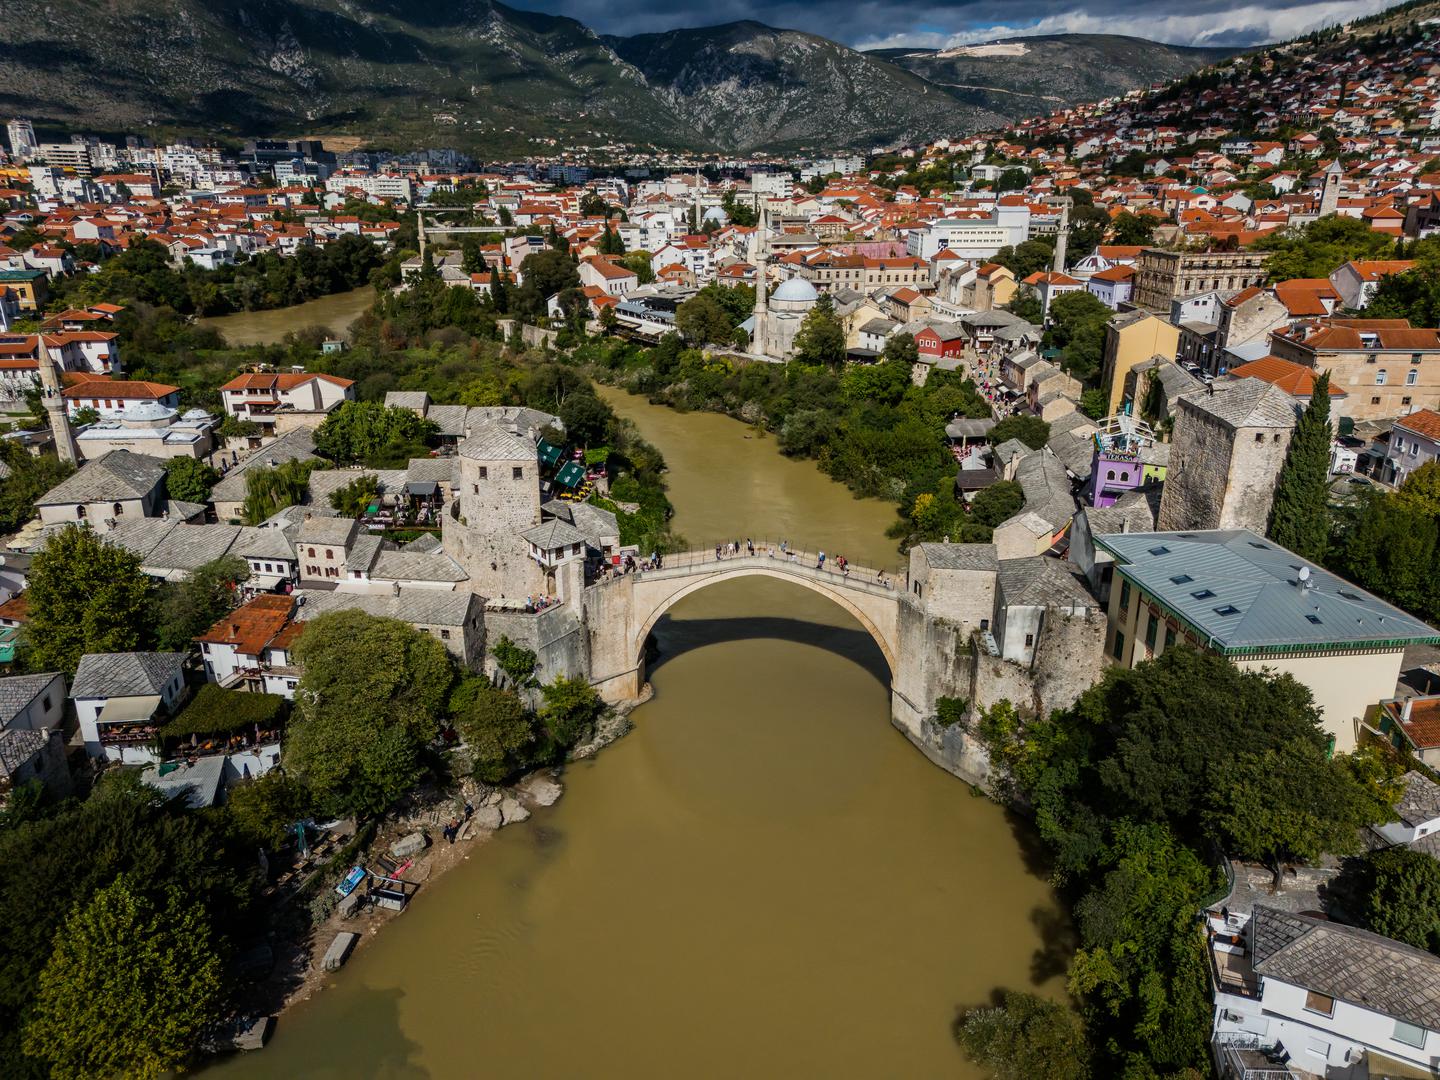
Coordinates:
[402,73]
[1019,77]
[744,86]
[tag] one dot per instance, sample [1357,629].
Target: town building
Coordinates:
[1162,277]
[284,402]
[1131,338]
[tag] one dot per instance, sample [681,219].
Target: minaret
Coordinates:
[420,230]
[698,220]
[55,404]
[1062,237]
[762,239]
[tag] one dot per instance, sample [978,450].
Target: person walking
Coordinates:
[820,562]
[750,547]
[717,553]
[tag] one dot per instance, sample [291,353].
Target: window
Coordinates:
[119,509]
[444,635]
[1169,638]
[517,473]
[1124,595]
[1409,1034]
[1412,377]
[1227,609]
[1374,401]
[1181,579]
[1405,400]
[1029,640]
[80,511]
[312,553]
[1259,436]
[1380,377]
[1202,594]
[1416,357]
[1319,1003]
[484,474]
[1119,645]
[329,554]
[45,703]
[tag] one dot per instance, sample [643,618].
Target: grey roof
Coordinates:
[598,525]
[1420,802]
[1242,593]
[1047,488]
[1133,512]
[337,531]
[140,535]
[1246,403]
[1009,450]
[325,482]
[130,674]
[1348,964]
[1041,582]
[425,607]
[493,443]
[418,400]
[516,419]
[184,511]
[267,543]
[553,534]
[441,470]
[363,552]
[961,556]
[417,566]
[198,784]
[18,746]
[117,476]
[296,445]
[450,419]
[879,326]
[186,547]
[425,542]
[18,691]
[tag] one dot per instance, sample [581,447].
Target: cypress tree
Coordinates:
[1300,515]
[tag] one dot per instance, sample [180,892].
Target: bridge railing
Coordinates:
[801,557]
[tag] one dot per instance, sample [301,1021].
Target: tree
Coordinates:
[30,476]
[999,502]
[268,491]
[1130,230]
[189,479]
[901,349]
[516,661]
[1094,403]
[190,607]
[472,258]
[1013,179]
[129,987]
[1319,247]
[1421,490]
[499,731]
[369,433]
[1078,328]
[371,697]
[638,262]
[701,320]
[86,596]
[265,810]
[884,383]
[820,339]
[1023,1036]
[571,709]
[587,419]
[1030,430]
[1027,257]
[1300,514]
[499,291]
[1025,304]
[352,499]
[545,273]
[1400,896]
[85,417]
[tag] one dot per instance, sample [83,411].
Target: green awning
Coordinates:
[571,475]
[549,455]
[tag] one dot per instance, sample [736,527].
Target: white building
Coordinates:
[23,144]
[1414,440]
[122,698]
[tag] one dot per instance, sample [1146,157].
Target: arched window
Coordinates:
[119,509]
[1110,475]
[80,511]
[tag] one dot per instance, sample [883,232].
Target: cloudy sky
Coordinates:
[936,24]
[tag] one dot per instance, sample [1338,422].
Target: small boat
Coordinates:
[339,950]
[352,881]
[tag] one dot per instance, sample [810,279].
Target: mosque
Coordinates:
[778,316]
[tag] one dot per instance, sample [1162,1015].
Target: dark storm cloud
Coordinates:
[876,23]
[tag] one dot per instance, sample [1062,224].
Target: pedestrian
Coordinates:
[820,562]
[784,547]
[792,556]
[717,553]
[750,547]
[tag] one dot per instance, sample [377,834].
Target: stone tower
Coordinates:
[55,404]
[1225,457]
[497,497]
[1330,193]
[1062,237]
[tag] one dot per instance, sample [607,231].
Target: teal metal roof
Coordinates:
[1240,593]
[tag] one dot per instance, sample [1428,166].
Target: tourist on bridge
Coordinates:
[750,547]
[820,562]
[717,553]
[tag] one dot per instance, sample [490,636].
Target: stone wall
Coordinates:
[1255,465]
[555,636]
[1194,492]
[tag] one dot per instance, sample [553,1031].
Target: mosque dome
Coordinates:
[795,291]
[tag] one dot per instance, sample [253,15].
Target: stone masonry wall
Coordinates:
[1194,491]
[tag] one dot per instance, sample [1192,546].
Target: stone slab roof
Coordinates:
[18,746]
[116,477]
[494,443]
[961,556]
[553,534]
[422,607]
[1348,964]
[18,691]
[417,566]
[336,531]
[296,445]
[134,674]
[1041,582]
[1421,800]
[1246,403]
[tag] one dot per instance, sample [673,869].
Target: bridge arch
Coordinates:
[873,606]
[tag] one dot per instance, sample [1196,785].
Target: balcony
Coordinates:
[1232,973]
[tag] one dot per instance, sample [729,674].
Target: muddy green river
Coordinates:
[336,312]
[764,879]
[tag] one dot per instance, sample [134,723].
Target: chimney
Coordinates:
[1405,709]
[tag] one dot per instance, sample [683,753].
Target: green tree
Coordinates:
[189,480]
[901,349]
[29,476]
[189,607]
[85,417]
[1129,230]
[86,596]
[1400,896]
[352,499]
[129,987]
[1300,514]
[1315,250]
[1078,328]
[1025,304]
[1022,1036]
[516,661]
[884,383]
[820,339]
[499,730]
[371,697]
[1026,258]
[999,502]
[264,810]
[1421,490]
[702,320]
[268,491]
[1030,430]
[369,433]
[472,258]
[571,710]
[544,274]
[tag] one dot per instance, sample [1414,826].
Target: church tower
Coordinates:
[762,259]
[1330,193]
[55,404]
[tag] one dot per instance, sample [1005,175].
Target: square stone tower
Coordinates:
[1225,458]
[497,498]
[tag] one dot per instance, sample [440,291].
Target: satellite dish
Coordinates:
[1304,573]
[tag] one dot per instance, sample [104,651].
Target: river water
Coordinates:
[764,879]
[336,311]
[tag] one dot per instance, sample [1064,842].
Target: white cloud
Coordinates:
[1247,25]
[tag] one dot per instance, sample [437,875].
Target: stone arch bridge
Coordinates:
[621,612]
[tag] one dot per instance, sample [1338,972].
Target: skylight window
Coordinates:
[1227,609]
[1314,619]
[1181,579]
[1203,594]
[1259,546]
[1159,551]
